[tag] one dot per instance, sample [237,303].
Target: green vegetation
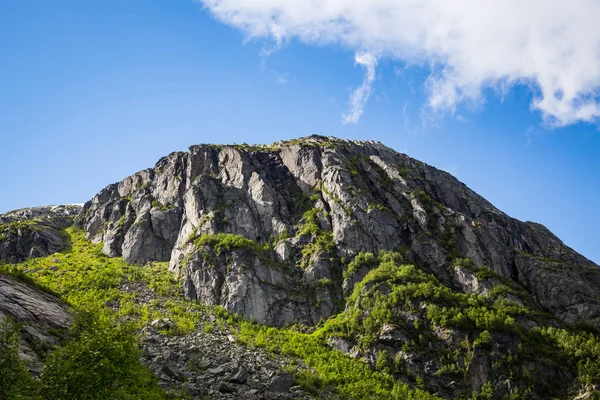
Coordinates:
[101,359]
[86,278]
[391,290]
[12,228]
[15,381]
[334,370]
[379,207]
[303,142]
[404,170]
[321,187]
[313,141]
[17,273]
[370,260]
[353,166]
[321,241]
[226,242]
[223,243]
[409,286]
[502,286]
[161,206]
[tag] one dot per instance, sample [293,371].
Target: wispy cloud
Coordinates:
[282,77]
[551,46]
[361,94]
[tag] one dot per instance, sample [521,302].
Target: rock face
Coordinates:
[34,232]
[268,231]
[44,318]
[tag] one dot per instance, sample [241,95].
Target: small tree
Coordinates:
[100,362]
[15,380]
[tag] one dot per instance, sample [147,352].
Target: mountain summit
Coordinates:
[253,228]
[342,248]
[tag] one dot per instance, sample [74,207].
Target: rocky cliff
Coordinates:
[268,232]
[348,247]
[34,232]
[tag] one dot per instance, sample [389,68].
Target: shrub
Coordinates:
[15,381]
[100,362]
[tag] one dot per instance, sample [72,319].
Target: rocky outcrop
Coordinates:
[34,232]
[269,231]
[44,319]
[212,365]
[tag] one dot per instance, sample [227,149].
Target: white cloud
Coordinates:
[552,46]
[361,94]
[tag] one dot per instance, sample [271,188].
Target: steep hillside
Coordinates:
[362,272]
[188,347]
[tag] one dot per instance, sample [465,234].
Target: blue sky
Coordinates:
[92,91]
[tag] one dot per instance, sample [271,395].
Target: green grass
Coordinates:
[20,224]
[86,278]
[333,370]
[226,242]
[12,228]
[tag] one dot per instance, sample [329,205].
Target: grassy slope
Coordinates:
[88,280]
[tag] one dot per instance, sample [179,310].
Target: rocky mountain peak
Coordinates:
[387,277]
[268,231]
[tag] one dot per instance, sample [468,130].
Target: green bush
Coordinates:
[101,361]
[222,242]
[361,259]
[15,381]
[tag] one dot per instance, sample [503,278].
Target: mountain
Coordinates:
[316,201]
[352,253]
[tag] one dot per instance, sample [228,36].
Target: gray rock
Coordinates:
[392,335]
[225,387]
[239,375]
[45,318]
[281,383]
[371,198]
[172,371]
[35,232]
